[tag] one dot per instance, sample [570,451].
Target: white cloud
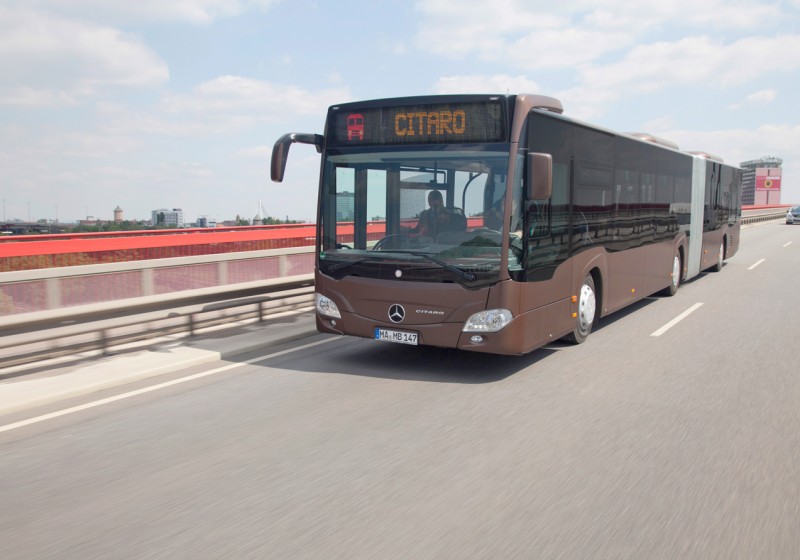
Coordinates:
[476,83]
[709,15]
[198,12]
[31,97]
[762,97]
[563,48]
[121,120]
[658,124]
[694,60]
[168,172]
[585,102]
[262,153]
[50,60]
[538,34]
[259,99]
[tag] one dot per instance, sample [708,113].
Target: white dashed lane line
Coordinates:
[677,319]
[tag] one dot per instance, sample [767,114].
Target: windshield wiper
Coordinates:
[337,266]
[468,276]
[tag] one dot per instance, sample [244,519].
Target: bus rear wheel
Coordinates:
[720,258]
[587,312]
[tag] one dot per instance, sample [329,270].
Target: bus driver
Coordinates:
[433,220]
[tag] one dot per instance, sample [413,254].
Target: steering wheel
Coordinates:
[388,242]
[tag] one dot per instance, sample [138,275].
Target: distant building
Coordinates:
[761,181]
[164,217]
[118,218]
[345,207]
[206,222]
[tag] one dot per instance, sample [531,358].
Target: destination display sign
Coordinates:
[443,123]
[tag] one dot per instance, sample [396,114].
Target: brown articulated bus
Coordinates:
[538,224]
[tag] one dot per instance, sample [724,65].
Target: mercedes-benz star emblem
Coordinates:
[396,313]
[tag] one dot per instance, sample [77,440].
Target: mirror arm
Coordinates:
[280,152]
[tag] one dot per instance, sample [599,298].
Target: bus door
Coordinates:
[546,241]
[547,268]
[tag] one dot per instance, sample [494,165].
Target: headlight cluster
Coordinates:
[326,307]
[491,320]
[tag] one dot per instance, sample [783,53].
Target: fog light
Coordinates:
[476,339]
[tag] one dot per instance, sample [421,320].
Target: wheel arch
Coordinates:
[684,265]
[597,277]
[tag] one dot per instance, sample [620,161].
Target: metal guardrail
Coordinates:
[32,339]
[757,216]
[54,312]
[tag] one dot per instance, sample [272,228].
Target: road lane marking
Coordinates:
[787,244]
[756,264]
[143,390]
[677,319]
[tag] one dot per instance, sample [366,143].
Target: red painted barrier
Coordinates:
[26,252]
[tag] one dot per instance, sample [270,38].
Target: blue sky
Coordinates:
[177,103]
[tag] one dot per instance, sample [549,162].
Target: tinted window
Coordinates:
[593,145]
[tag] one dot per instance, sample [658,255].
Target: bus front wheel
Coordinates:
[587,310]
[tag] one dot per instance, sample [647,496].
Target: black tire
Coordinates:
[587,312]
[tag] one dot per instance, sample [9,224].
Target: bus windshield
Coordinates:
[426,213]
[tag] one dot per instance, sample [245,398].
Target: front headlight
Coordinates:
[491,320]
[326,307]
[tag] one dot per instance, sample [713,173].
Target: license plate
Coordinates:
[397,336]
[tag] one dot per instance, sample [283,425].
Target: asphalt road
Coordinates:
[683,445]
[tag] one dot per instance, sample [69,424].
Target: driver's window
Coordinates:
[345,205]
[376,205]
[358,226]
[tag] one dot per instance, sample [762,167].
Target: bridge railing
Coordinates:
[757,214]
[32,337]
[43,290]
[57,311]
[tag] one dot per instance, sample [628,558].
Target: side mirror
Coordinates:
[540,176]
[280,151]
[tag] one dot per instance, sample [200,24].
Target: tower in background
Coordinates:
[761,181]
